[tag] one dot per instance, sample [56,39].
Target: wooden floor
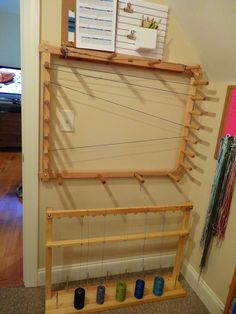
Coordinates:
[11,266]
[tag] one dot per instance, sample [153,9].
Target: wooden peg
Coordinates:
[192,126]
[198,97]
[46,130]
[186,166]
[196,113]
[112,56]
[59,179]
[191,140]
[187,153]
[46,102]
[139,177]
[172,176]
[200,83]
[45,147]
[101,178]
[64,50]
[153,62]
[47,65]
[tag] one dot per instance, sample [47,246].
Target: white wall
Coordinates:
[9,39]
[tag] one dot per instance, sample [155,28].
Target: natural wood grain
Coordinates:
[112,239]
[126,60]
[65,297]
[11,267]
[118,210]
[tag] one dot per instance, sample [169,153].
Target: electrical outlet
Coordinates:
[66,120]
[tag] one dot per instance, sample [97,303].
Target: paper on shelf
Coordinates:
[96,24]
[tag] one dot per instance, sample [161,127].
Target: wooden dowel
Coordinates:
[200,83]
[101,178]
[196,113]
[198,97]
[186,166]
[45,162]
[119,238]
[153,62]
[113,174]
[139,177]
[191,140]
[64,50]
[45,147]
[187,153]
[119,211]
[175,178]
[46,130]
[192,126]
[92,55]
[112,56]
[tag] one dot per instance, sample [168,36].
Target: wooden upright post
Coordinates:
[48,268]
[187,122]
[180,247]
[45,111]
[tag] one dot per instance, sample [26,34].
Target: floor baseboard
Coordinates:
[98,269]
[116,266]
[204,292]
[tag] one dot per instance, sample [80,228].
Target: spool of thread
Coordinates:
[79,298]
[139,289]
[100,294]
[120,291]
[158,286]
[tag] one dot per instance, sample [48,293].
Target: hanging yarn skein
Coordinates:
[221,195]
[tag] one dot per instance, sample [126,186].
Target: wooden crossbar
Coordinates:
[118,211]
[121,59]
[111,239]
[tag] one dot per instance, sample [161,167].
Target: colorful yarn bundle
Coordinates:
[120,291]
[221,195]
[100,294]
[79,298]
[139,289]
[158,286]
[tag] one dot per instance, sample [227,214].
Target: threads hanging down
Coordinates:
[221,195]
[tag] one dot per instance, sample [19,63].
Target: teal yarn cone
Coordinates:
[158,286]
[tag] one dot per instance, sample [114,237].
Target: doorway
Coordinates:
[11,229]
